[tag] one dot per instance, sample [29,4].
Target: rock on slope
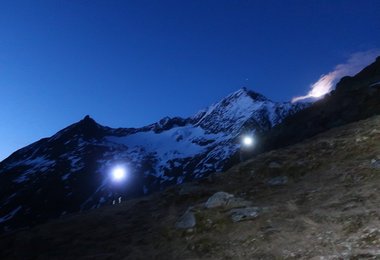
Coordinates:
[326,209]
[69,171]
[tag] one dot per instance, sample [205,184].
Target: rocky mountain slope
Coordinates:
[354,98]
[69,171]
[314,200]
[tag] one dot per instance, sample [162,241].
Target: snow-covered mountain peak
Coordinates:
[244,92]
[232,112]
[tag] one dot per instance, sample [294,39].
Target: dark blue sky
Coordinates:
[130,63]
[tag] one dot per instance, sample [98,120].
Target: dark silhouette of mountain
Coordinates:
[354,98]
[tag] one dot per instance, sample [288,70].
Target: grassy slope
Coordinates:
[329,208]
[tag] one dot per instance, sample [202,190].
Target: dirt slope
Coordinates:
[326,208]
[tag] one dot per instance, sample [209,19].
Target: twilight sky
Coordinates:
[130,63]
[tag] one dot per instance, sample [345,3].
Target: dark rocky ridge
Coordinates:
[354,98]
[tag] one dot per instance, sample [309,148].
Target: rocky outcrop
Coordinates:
[354,98]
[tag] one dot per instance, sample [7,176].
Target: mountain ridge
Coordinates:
[354,98]
[77,160]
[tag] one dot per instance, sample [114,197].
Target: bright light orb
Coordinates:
[248,141]
[119,173]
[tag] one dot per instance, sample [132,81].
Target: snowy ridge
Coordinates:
[230,114]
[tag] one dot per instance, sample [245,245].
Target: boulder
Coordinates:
[219,199]
[244,213]
[277,181]
[274,165]
[226,201]
[375,164]
[187,220]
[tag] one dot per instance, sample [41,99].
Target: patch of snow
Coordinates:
[8,199]
[180,180]
[76,165]
[38,164]
[375,84]
[173,143]
[10,215]
[66,176]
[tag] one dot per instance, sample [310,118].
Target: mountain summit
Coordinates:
[70,171]
[245,110]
